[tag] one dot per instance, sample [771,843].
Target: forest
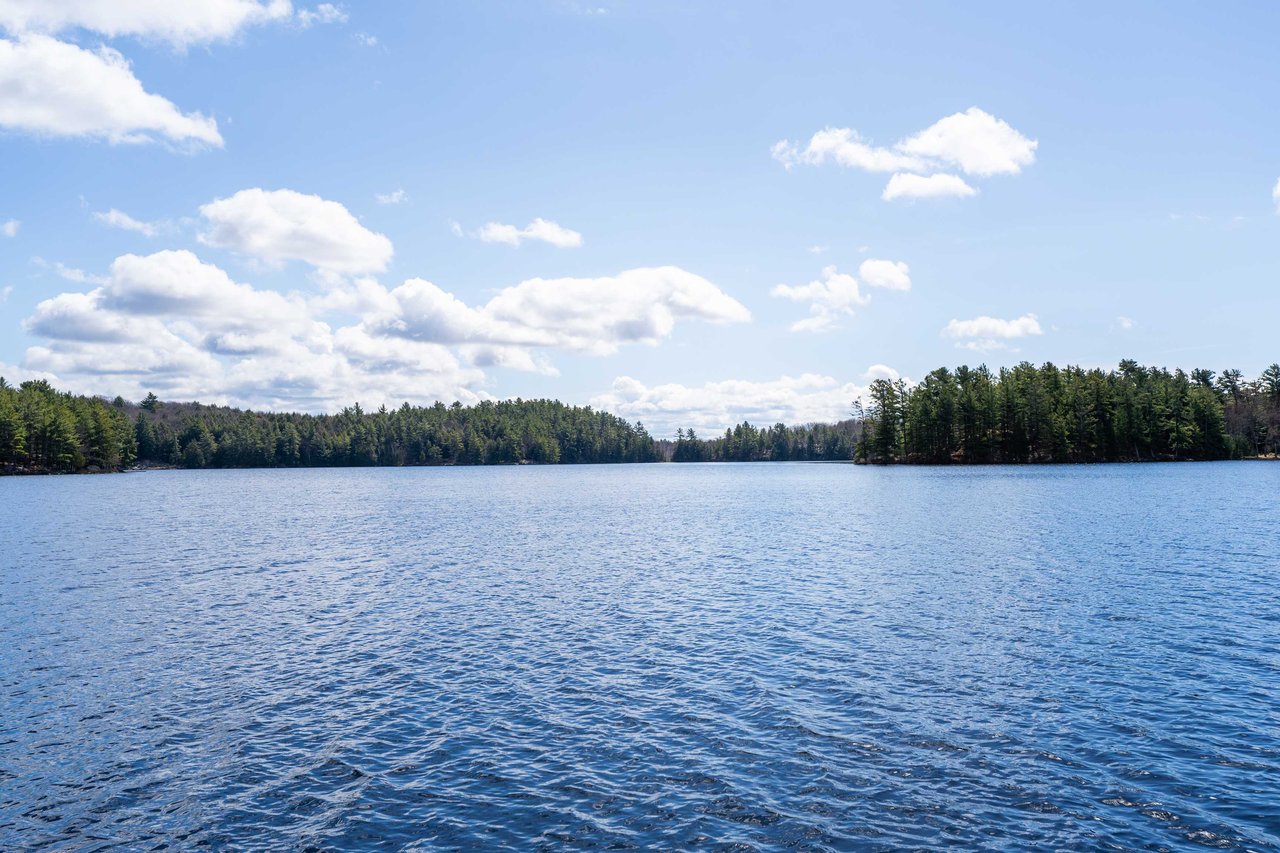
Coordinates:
[1028,414]
[43,430]
[1023,414]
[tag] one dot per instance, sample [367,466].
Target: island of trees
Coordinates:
[1024,414]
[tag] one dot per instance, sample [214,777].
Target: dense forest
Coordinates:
[967,415]
[43,430]
[1030,414]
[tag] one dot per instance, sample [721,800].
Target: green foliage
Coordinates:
[778,443]
[1030,414]
[43,430]
[969,415]
[1051,414]
[514,431]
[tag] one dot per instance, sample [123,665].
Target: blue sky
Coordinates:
[331,203]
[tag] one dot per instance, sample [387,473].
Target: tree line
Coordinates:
[1029,414]
[778,443]
[1023,414]
[43,430]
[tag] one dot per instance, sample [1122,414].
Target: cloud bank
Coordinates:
[174,323]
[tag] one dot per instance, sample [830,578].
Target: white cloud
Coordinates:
[5,294]
[714,406]
[512,358]
[10,227]
[395,197]
[367,40]
[171,323]
[891,275]
[180,22]
[835,294]
[166,284]
[940,185]
[77,275]
[988,333]
[992,327]
[882,371]
[539,229]
[817,249]
[280,225]
[51,88]
[844,147]
[838,294]
[1125,323]
[592,315]
[325,13]
[1275,195]
[120,219]
[973,141]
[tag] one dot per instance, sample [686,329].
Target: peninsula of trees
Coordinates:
[1028,414]
[1024,414]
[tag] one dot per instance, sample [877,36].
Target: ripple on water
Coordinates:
[746,657]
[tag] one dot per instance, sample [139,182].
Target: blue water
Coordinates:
[769,656]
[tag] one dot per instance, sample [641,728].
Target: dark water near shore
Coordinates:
[753,656]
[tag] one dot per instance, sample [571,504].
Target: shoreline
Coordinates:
[143,469]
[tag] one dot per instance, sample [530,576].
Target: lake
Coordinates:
[767,656]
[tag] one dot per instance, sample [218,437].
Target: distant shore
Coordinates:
[967,416]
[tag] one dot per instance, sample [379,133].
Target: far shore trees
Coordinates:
[1022,414]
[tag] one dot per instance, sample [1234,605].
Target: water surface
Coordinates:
[769,656]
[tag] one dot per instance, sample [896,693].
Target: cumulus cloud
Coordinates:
[882,371]
[181,23]
[987,333]
[940,185]
[281,225]
[9,228]
[835,294]
[51,88]
[975,142]
[165,284]
[591,315]
[714,406]
[396,197]
[172,323]
[891,275]
[178,325]
[540,229]
[119,219]
[838,294]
